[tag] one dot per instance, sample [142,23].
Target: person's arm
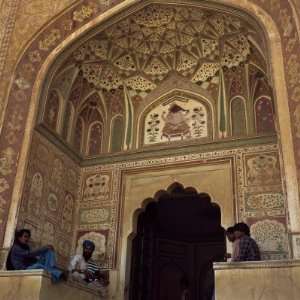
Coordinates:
[21,253]
[73,265]
[243,250]
[37,252]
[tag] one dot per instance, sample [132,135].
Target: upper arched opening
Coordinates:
[111,91]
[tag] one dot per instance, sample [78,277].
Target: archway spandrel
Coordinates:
[75,18]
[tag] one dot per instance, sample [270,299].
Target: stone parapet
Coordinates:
[264,280]
[36,285]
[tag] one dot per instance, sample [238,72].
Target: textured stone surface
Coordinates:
[36,285]
[257,281]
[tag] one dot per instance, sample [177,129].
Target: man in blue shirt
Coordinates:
[21,257]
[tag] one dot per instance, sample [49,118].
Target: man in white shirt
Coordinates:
[83,268]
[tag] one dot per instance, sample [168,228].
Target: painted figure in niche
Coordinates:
[176,123]
[35,194]
[95,139]
[48,233]
[78,134]
[264,116]
[52,202]
[51,111]
[263,169]
[57,173]
[199,122]
[67,215]
[7,161]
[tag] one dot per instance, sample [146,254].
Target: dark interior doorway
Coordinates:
[178,238]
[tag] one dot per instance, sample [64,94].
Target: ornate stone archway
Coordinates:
[31,69]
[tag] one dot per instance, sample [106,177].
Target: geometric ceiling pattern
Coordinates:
[141,50]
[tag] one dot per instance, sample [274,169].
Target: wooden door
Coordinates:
[177,241]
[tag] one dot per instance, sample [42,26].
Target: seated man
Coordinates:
[235,243]
[84,269]
[248,249]
[21,257]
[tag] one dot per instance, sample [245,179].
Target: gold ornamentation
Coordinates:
[296,94]
[50,40]
[94,216]
[34,56]
[266,201]
[286,23]
[20,95]
[293,70]
[28,70]
[3,185]
[159,39]
[2,208]
[22,83]
[297,120]
[292,43]
[67,25]
[7,161]
[83,13]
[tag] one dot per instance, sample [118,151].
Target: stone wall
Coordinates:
[244,181]
[49,197]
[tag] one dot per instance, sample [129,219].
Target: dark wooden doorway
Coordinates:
[178,238]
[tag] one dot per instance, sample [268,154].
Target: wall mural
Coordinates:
[176,121]
[48,201]
[260,205]
[116,79]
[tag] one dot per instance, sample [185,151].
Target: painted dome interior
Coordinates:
[161,76]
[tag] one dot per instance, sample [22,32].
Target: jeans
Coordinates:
[47,261]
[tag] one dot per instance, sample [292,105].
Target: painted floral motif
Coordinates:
[3,185]
[97,187]
[35,194]
[270,235]
[52,202]
[34,56]
[50,40]
[268,201]
[22,83]
[67,216]
[96,215]
[7,161]
[82,14]
[263,169]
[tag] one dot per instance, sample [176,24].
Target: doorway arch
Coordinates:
[273,36]
[282,106]
[178,236]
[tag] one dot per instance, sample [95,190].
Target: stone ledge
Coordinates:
[261,280]
[256,264]
[36,285]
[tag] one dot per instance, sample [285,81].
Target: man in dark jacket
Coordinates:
[21,257]
[248,249]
